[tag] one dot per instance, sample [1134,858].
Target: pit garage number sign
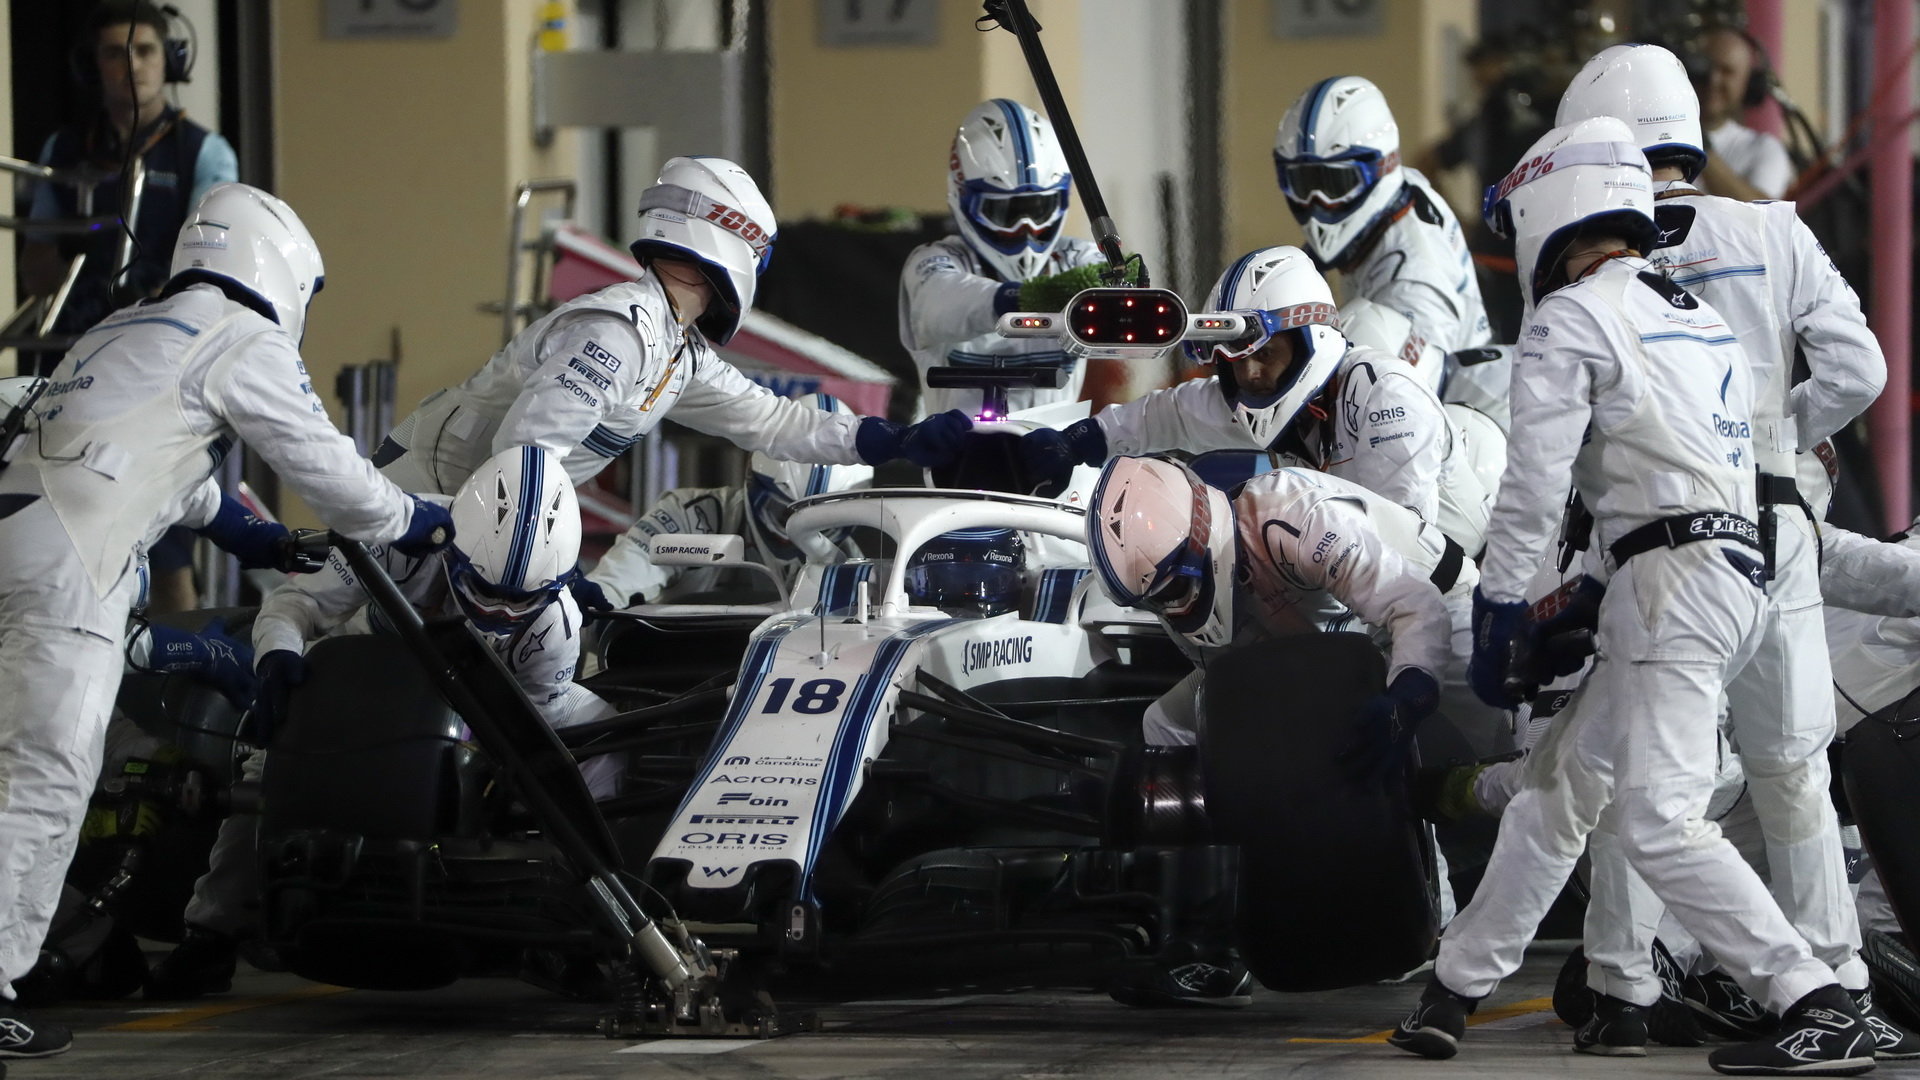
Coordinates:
[1327,18]
[368,19]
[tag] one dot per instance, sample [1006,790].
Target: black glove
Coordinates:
[590,596]
[1502,635]
[280,671]
[429,530]
[929,444]
[1564,622]
[1051,455]
[256,543]
[1388,722]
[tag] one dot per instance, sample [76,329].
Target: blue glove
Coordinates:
[937,440]
[1388,722]
[930,443]
[280,671]
[259,545]
[1052,454]
[213,656]
[590,596]
[429,530]
[1501,635]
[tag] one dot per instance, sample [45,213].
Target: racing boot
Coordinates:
[203,963]
[1821,1035]
[1723,1008]
[21,1036]
[1572,1000]
[1617,1028]
[1195,983]
[1671,1022]
[1198,966]
[1436,1025]
[1891,1042]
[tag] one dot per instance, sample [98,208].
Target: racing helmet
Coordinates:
[1646,86]
[1007,185]
[709,212]
[1280,289]
[971,573]
[516,528]
[1586,177]
[773,486]
[1337,154]
[1164,540]
[240,236]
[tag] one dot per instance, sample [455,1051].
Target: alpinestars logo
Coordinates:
[1883,1032]
[1805,1044]
[14,1032]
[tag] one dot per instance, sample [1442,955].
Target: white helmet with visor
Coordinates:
[1589,177]
[1007,185]
[707,211]
[238,235]
[1163,540]
[1281,292]
[516,529]
[1337,154]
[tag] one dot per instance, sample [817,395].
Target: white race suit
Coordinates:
[140,412]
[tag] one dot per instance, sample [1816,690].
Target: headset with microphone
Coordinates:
[180,53]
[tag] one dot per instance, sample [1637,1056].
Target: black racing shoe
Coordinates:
[1572,999]
[1435,1026]
[1724,1009]
[1821,1035]
[203,963]
[21,1036]
[1194,984]
[1670,1022]
[1891,1042]
[1617,1028]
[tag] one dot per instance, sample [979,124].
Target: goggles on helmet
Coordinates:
[1330,188]
[1015,220]
[1266,324]
[493,607]
[1497,209]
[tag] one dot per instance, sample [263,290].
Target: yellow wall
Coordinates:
[401,156]
[1265,74]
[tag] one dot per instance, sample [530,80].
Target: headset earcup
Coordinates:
[179,65]
[81,67]
[1759,76]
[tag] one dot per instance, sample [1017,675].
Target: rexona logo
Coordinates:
[748,798]
[1000,653]
[734,839]
[738,759]
[761,820]
[809,781]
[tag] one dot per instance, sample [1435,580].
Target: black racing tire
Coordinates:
[1881,769]
[1336,880]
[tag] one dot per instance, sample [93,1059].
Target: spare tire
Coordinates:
[1336,872]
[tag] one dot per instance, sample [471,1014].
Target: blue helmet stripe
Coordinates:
[1022,147]
[1316,96]
[526,519]
[1231,282]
